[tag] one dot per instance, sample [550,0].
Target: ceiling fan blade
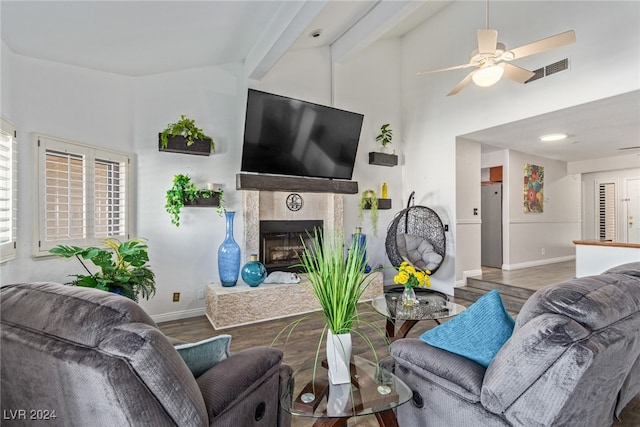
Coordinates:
[460,85]
[457,67]
[487,41]
[516,73]
[552,42]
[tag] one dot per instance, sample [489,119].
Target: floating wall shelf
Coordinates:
[383,204]
[178,144]
[382,159]
[202,201]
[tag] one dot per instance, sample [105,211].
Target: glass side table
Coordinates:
[372,391]
[432,305]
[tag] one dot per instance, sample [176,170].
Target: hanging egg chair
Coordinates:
[416,235]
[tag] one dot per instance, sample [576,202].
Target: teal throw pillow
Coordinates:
[203,355]
[477,333]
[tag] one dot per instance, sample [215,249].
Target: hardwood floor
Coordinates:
[303,342]
[532,278]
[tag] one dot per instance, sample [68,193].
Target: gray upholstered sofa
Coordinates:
[92,358]
[573,360]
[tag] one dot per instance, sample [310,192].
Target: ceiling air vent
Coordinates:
[556,67]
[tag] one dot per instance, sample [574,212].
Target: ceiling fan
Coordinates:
[492,59]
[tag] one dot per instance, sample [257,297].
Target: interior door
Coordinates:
[491,229]
[632,200]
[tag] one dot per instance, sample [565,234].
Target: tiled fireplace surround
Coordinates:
[242,304]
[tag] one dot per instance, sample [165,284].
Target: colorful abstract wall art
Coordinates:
[533,188]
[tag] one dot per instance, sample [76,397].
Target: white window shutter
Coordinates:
[8,191]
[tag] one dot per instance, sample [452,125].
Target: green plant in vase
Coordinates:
[338,282]
[369,199]
[124,268]
[187,128]
[184,190]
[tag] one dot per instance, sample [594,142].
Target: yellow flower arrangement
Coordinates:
[410,277]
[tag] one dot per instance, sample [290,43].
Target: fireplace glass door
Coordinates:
[281,243]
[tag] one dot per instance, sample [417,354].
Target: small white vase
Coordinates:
[338,400]
[338,357]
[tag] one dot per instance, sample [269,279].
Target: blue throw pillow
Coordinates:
[203,355]
[477,333]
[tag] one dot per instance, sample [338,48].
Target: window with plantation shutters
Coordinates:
[607,211]
[8,191]
[82,194]
[109,198]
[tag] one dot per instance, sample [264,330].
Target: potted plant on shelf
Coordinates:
[184,192]
[185,137]
[338,284]
[369,200]
[384,138]
[124,268]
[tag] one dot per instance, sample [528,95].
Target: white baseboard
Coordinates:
[537,263]
[465,274]
[177,315]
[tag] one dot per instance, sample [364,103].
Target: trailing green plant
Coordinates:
[124,268]
[338,282]
[385,136]
[184,190]
[369,198]
[221,208]
[185,127]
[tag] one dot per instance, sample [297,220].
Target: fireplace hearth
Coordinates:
[281,244]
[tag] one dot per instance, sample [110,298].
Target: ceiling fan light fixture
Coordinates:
[551,137]
[487,76]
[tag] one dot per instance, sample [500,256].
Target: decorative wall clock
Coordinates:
[294,202]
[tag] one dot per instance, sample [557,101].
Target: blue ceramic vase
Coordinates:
[229,255]
[253,273]
[361,239]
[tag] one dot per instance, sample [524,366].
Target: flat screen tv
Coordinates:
[287,136]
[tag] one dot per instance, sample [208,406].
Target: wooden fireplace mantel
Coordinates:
[263,182]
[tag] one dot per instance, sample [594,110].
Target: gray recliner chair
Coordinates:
[94,358]
[573,360]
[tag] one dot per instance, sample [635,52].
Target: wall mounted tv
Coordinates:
[287,136]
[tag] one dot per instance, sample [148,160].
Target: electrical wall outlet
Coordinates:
[201,294]
[176,296]
[542,251]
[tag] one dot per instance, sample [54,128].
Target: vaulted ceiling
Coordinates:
[137,38]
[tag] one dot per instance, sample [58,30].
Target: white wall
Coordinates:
[372,87]
[468,206]
[432,120]
[127,114]
[6,58]
[184,258]
[552,230]
[68,102]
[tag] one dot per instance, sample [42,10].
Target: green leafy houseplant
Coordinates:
[185,127]
[385,136]
[338,283]
[123,267]
[184,190]
[369,198]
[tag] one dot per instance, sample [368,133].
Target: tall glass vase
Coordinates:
[229,255]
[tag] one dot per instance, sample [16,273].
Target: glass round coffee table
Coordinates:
[432,305]
[372,391]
